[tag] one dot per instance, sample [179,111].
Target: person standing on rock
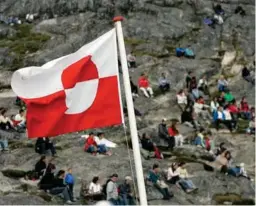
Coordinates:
[112,190]
[70,182]
[145,86]
[188,79]
[131,61]
[134,88]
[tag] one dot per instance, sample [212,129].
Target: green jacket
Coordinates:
[228,97]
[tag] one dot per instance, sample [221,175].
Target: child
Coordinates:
[70,181]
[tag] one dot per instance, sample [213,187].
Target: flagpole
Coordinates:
[131,115]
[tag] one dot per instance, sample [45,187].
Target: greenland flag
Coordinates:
[72,93]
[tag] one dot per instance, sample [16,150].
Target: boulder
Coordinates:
[236,69]
[14,173]
[228,58]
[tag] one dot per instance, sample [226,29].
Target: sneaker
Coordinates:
[69,202]
[74,200]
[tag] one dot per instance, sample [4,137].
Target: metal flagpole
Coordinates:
[131,115]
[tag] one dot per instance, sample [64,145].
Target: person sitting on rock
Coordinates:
[196,94]
[219,117]
[220,149]
[134,89]
[131,61]
[154,178]
[46,183]
[144,86]
[126,192]
[209,21]
[20,119]
[222,84]
[214,104]
[201,109]
[102,147]
[40,167]
[221,99]
[240,10]
[43,145]
[70,182]
[173,173]
[234,110]
[5,122]
[199,140]
[203,85]
[95,189]
[245,109]
[221,162]
[59,187]
[182,100]
[163,134]
[188,117]
[112,190]
[193,84]
[246,74]
[251,127]
[186,184]
[228,96]
[174,133]
[147,144]
[164,83]
[91,145]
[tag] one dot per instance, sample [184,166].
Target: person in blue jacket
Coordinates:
[70,181]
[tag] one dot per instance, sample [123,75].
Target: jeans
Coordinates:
[71,189]
[115,201]
[61,190]
[102,148]
[4,144]
[164,87]
[127,199]
[186,184]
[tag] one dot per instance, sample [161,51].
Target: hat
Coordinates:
[242,164]
[164,119]
[128,178]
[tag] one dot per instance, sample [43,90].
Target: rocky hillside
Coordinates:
[152,29]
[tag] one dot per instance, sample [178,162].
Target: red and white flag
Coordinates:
[72,93]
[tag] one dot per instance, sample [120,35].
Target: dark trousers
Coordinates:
[98,197]
[170,141]
[164,191]
[173,180]
[134,89]
[227,123]
[43,147]
[61,190]
[164,88]
[71,191]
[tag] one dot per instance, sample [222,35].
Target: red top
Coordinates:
[244,107]
[172,132]
[143,82]
[233,108]
[89,142]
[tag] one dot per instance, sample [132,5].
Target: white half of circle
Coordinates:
[81,97]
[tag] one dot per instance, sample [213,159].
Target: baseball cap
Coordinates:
[128,178]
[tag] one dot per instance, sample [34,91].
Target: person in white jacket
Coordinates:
[173,173]
[202,109]
[214,104]
[95,189]
[182,100]
[203,85]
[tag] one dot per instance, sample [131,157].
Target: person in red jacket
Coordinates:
[90,145]
[144,86]
[234,110]
[244,108]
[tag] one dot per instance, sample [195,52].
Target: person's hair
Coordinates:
[61,172]
[225,107]
[243,98]
[42,158]
[173,166]
[222,144]
[181,91]
[100,133]
[228,153]
[91,133]
[201,130]
[193,78]
[143,135]
[142,74]
[189,72]
[21,111]
[3,111]
[181,164]
[95,179]
[155,166]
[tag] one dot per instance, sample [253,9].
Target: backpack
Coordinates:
[189,53]
[179,52]
[104,187]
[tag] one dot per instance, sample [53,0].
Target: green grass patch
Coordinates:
[24,42]
[134,42]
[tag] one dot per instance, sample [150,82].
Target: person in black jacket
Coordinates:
[47,180]
[134,88]
[163,133]
[40,167]
[43,144]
